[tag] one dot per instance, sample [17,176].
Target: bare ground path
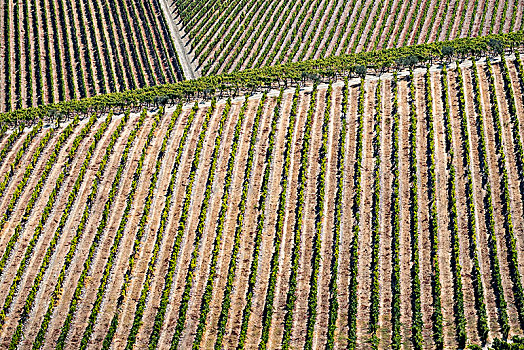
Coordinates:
[184,57]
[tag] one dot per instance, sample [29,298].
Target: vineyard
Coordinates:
[55,50]
[379,212]
[254,174]
[225,36]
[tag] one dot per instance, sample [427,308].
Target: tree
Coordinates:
[361,70]
[447,51]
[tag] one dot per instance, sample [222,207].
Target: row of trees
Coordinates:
[264,78]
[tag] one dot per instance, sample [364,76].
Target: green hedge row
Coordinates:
[250,79]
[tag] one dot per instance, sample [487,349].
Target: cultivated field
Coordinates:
[55,50]
[383,211]
[223,36]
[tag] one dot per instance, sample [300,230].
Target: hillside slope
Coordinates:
[55,50]
[381,210]
[224,36]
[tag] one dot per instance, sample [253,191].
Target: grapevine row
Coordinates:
[279,227]
[108,268]
[51,249]
[506,200]
[175,249]
[208,291]
[436,288]
[297,231]
[21,151]
[482,323]
[39,186]
[496,278]
[111,196]
[395,223]
[417,323]
[46,212]
[73,305]
[317,240]
[355,228]
[460,320]
[333,285]
[182,312]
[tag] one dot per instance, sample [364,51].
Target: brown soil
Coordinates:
[514,183]
[267,247]
[480,193]
[206,247]
[21,204]
[84,307]
[495,178]
[365,246]
[178,196]
[446,276]
[345,227]
[426,294]
[329,212]
[184,256]
[406,315]
[300,313]
[247,239]
[462,220]
[41,247]
[228,237]
[82,249]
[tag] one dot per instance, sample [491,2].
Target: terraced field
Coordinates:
[55,50]
[379,212]
[224,36]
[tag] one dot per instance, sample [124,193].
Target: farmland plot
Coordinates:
[383,212]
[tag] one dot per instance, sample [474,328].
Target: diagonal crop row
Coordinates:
[505,197]
[18,157]
[108,268]
[111,196]
[46,212]
[436,288]
[317,240]
[417,323]
[98,237]
[208,291]
[159,237]
[175,249]
[355,228]
[279,228]
[186,295]
[228,290]
[460,320]
[496,278]
[297,231]
[333,285]
[482,322]
[395,223]
[51,249]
